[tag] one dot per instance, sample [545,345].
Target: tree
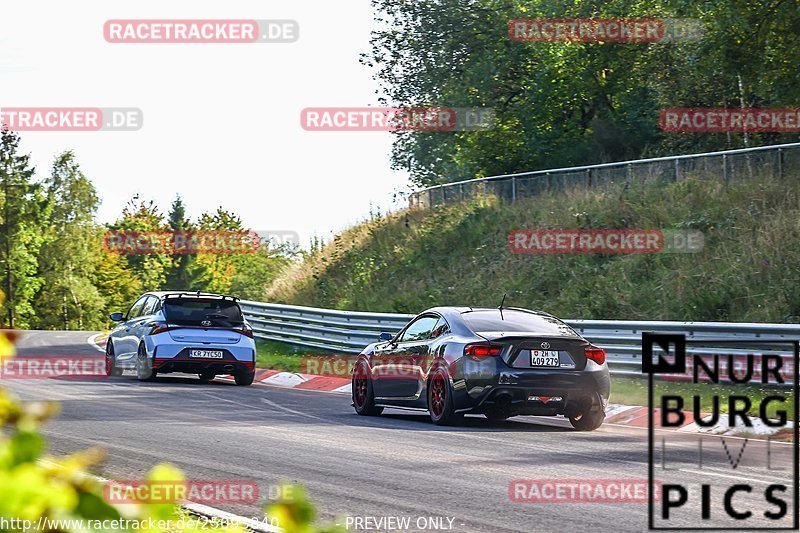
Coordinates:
[565,103]
[150,269]
[70,252]
[22,211]
[181,275]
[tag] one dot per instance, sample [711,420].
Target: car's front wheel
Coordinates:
[588,421]
[440,399]
[363,393]
[111,362]
[144,366]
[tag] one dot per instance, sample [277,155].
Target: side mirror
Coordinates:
[116,317]
[386,336]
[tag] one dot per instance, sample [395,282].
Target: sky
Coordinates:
[221,121]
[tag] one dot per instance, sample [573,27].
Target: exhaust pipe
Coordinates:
[227,368]
[503,400]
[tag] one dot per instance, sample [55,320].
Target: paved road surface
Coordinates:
[395,465]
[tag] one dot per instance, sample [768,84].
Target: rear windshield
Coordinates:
[515,322]
[193,312]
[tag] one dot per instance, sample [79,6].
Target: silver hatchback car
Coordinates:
[190,332]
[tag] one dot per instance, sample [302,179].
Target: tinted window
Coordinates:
[420,329]
[515,321]
[192,312]
[136,309]
[149,307]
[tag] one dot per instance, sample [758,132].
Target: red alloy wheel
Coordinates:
[360,387]
[438,395]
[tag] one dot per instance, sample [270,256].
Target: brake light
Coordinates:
[159,327]
[598,355]
[482,350]
[245,330]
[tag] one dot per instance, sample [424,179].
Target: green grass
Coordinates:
[279,356]
[633,391]
[459,254]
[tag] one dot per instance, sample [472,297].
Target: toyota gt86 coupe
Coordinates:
[499,362]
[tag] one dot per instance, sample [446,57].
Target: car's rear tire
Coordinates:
[144,366]
[440,399]
[243,379]
[205,377]
[588,421]
[111,362]
[363,393]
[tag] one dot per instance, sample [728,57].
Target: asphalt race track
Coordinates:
[395,465]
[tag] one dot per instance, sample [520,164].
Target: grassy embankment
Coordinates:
[408,261]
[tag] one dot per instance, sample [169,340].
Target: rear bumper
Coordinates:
[181,362]
[547,393]
[200,366]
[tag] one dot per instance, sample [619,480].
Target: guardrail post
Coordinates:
[461,191]
[589,178]
[677,170]
[780,164]
[513,190]
[725,168]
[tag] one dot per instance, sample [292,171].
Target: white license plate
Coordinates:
[206,354]
[544,358]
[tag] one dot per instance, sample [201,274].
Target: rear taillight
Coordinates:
[159,327]
[479,351]
[245,330]
[598,355]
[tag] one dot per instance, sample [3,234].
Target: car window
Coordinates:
[194,312]
[420,329]
[486,320]
[136,309]
[439,329]
[149,306]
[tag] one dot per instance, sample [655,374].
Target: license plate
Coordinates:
[544,358]
[206,354]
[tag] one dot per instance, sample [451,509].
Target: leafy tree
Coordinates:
[561,103]
[70,252]
[22,212]
[116,282]
[150,269]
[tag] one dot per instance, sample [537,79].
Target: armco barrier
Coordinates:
[350,331]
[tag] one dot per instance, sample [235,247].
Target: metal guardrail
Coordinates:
[349,332]
[728,165]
